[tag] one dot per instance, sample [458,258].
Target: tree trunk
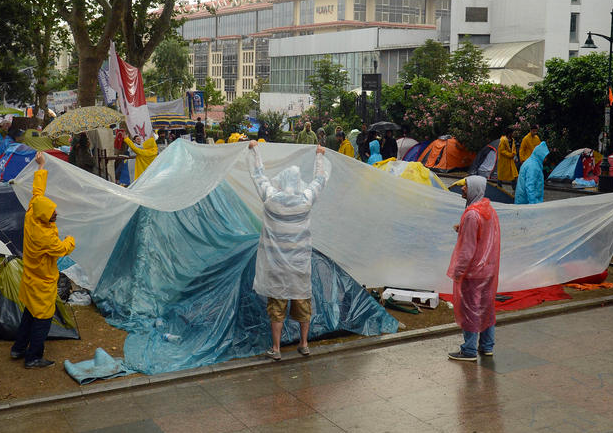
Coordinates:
[206,116]
[89,64]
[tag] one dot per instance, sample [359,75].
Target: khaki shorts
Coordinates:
[299,309]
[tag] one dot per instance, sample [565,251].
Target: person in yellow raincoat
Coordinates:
[38,290]
[144,155]
[507,171]
[345,148]
[529,142]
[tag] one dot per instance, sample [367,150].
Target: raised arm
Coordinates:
[132,146]
[61,248]
[263,186]
[40,176]
[320,176]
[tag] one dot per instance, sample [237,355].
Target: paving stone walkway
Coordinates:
[547,375]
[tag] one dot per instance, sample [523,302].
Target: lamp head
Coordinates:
[589,42]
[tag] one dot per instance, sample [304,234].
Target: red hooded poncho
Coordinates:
[474,267]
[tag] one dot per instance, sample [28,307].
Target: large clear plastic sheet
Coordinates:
[190,274]
[380,229]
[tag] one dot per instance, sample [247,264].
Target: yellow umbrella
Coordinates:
[81,120]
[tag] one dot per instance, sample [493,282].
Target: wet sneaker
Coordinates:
[304,351]
[459,356]
[17,355]
[273,355]
[39,363]
[486,352]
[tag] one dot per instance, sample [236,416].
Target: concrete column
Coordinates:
[239,72]
[296,13]
[370,10]
[430,12]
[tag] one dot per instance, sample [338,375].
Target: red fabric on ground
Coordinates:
[592,279]
[524,298]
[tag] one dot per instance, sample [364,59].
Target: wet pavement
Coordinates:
[547,375]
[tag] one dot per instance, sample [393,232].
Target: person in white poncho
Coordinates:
[283,264]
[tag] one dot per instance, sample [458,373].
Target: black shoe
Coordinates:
[39,363]
[17,355]
[459,356]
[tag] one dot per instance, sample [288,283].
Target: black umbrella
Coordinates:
[384,126]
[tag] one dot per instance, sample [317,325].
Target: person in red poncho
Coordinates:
[474,270]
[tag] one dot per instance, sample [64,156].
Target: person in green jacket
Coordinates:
[307,136]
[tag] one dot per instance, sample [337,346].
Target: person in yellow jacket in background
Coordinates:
[507,171]
[530,141]
[345,148]
[144,155]
[38,290]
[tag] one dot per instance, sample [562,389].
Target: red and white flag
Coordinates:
[127,81]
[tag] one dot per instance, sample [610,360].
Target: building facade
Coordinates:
[240,44]
[560,26]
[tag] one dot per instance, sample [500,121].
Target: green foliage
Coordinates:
[467,63]
[345,112]
[171,60]
[327,84]
[211,96]
[275,121]
[572,99]
[236,115]
[474,113]
[429,60]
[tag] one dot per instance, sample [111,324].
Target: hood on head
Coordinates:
[289,180]
[149,143]
[42,209]
[541,151]
[374,147]
[475,189]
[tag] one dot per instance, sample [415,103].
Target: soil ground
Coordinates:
[19,383]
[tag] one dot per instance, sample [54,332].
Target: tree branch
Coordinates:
[113,22]
[105,5]
[160,28]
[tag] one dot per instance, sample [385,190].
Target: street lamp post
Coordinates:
[605,182]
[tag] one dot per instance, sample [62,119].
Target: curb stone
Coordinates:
[260,361]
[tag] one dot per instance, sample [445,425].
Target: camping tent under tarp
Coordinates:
[492,192]
[446,154]
[189,273]
[11,308]
[12,215]
[415,152]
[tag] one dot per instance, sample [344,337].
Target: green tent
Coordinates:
[33,139]
[7,110]
[63,324]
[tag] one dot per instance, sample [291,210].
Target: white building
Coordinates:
[560,26]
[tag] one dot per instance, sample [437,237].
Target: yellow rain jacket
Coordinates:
[346,148]
[144,156]
[507,171]
[41,249]
[527,146]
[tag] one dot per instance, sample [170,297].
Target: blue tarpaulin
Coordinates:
[190,273]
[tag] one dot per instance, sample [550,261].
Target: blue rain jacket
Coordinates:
[375,152]
[531,182]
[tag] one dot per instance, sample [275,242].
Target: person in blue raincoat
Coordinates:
[531,181]
[375,152]
[283,263]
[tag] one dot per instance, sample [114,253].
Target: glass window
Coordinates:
[476,15]
[574,27]
[401,11]
[359,10]
[264,19]
[341,10]
[307,11]
[283,14]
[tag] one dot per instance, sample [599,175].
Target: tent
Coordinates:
[11,219]
[492,192]
[485,161]
[36,141]
[414,171]
[415,152]
[17,156]
[63,324]
[581,163]
[185,234]
[405,144]
[446,154]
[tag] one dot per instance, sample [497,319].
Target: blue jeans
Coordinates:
[485,340]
